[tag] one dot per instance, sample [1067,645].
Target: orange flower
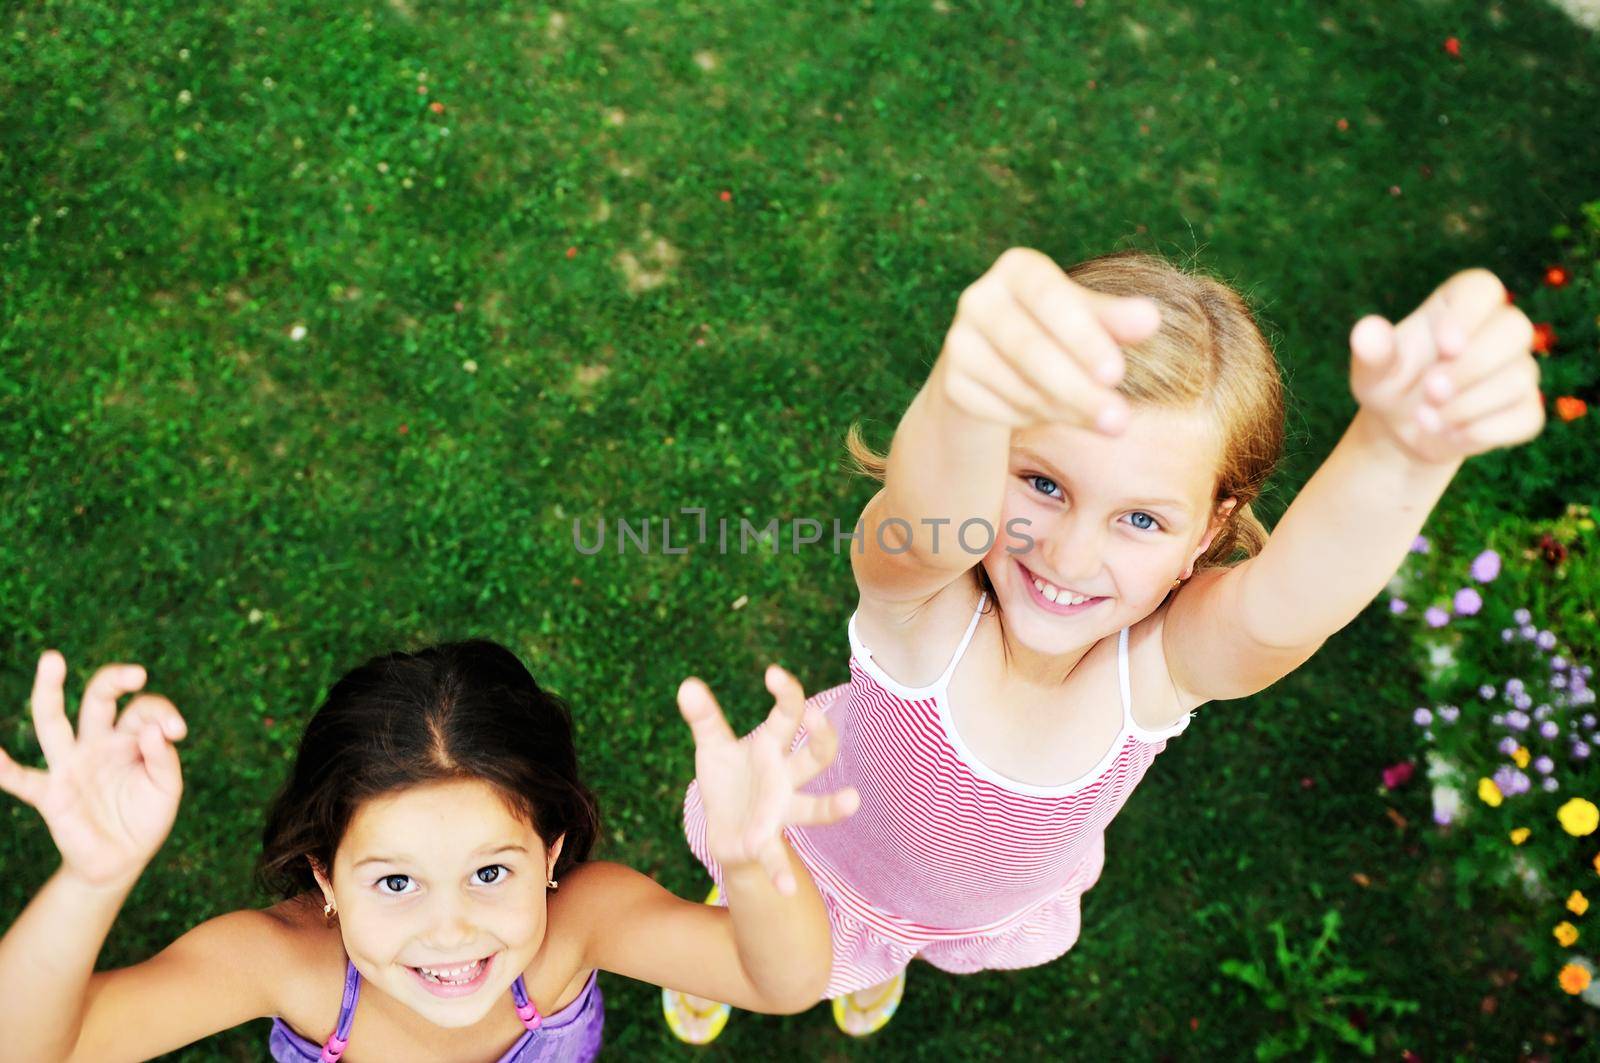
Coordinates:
[1556,276]
[1577,904]
[1521,756]
[1565,933]
[1574,979]
[1544,337]
[1569,408]
[436,107]
[1597,863]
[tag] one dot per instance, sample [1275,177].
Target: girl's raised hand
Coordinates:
[1030,346]
[1455,378]
[751,788]
[110,794]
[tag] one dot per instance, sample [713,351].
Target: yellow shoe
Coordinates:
[694,1020]
[869,1010]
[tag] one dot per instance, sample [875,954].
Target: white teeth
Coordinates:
[464,973]
[1057,595]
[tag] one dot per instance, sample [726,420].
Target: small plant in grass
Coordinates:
[1312,990]
[1512,735]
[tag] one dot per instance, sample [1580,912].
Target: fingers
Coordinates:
[773,856]
[50,708]
[822,744]
[1462,305]
[1055,344]
[790,706]
[153,709]
[701,712]
[99,706]
[25,784]
[812,810]
[160,759]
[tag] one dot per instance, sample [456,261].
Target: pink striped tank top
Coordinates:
[946,858]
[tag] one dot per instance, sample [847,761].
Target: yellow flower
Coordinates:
[1579,817]
[1521,756]
[1577,904]
[1489,793]
[1520,835]
[1574,979]
[1565,933]
[1597,863]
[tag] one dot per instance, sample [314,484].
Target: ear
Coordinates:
[323,882]
[1224,511]
[552,855]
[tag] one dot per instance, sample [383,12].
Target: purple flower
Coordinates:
[1505,777]
[1422,717]
[1522,701]
[1544,765]
[1527,631]
[1548,729]
[1580,750]
[1515,686]
[1441,817]
[1589,719]
[1419,545]
[1506,634]
[1517,720]
[1542,712]
[1550,784]
[1546,640]
[1448,713]
[1522,616]
[1467,601]
[1397,606]
[1436,617]
[1559,682]
[1558,664]
[1508,745]
[1524,784]
[1486,566]
[1486,693]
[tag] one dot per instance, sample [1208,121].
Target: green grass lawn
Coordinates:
[651,256]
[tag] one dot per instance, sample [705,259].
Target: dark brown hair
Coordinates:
[459,710]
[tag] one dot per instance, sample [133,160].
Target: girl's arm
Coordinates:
[1456,378]
[771,949]
[109,797]
[1027,346]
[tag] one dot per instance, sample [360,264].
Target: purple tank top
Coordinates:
[571,1035]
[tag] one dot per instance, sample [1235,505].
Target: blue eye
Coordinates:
[1050,486]
[488,876]
[395,885]
[1154,524]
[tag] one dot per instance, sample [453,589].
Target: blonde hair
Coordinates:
[1208,354]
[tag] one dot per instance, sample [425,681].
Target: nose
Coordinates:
[1073,550]
[451,924]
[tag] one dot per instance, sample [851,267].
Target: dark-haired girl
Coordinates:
[431,846]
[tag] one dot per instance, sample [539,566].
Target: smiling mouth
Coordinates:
[453,980]
[1053,598]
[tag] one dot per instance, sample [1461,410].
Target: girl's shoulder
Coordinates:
[306,960]
[913,642]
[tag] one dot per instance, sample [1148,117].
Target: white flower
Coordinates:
[1446,802]
[470,366]
[256,616]
[297,333]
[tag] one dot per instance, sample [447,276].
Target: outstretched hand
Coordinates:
[1455,378]
[109,794]
[751,788]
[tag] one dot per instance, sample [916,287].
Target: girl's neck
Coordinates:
[1045,671]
